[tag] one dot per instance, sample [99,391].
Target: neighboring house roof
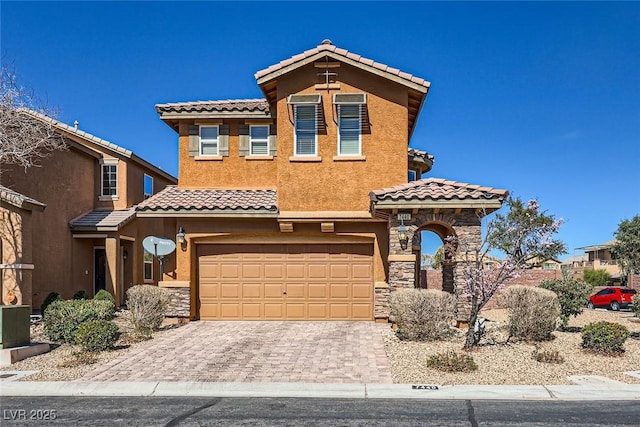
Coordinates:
[576,258]
[103,143]
[593,248]
[210,201]
[101,220]
[432,192]
[21,201]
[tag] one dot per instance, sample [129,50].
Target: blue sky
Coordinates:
[542,99]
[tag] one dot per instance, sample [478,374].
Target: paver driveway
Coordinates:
[325,352]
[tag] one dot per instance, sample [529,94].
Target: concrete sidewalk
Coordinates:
[613,391]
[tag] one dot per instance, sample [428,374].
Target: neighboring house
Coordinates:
[308,203]
[544,264]
[598,257]
[87,238]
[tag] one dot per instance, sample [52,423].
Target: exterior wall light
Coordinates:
[402,236]
[180,236]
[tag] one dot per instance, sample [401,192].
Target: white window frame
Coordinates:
[415,175]
[146,195]
[201,140]
[144,265]
[340,107]
[315,131]
[108,163]
[252,140]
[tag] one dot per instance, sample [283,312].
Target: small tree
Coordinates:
[596,277]
[627,245]
[572,294]
[524,233]
[434,261]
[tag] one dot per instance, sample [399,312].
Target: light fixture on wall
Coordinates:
[125,255]
[180,236]
[403,238]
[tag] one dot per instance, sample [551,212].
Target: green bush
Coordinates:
[97,335]
[533,312]
[53,296]
[636,305]
[573,296]
[62,318]
[147,305]
[422,314]
[605,337]
[451,361]
[597,277]
[103,295]
[81,294]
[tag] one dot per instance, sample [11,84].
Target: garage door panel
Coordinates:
[274,272]
[229,271]
[251,271]
[230,310]
[295,311]
[318,271]
[339,271]
[273,290]
[339,311]
[273,311]
[251,311]
[295,271]
[361,271]
[230,291]
[361,311]
[317,310]
[340,290]
[209,291]
[318,291]
[296,291]
[252,290]
[360,291]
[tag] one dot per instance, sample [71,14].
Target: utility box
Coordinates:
[15,323]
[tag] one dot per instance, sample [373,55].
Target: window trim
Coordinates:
[295,130]
[146,195]
[109,162]
[144,264]
[339,108]
[415,175]
[200,153]
[251,141]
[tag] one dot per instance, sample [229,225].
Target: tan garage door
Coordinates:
[293,282]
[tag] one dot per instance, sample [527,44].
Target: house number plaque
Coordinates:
[404,217]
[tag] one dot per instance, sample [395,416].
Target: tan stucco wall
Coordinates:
[16,247]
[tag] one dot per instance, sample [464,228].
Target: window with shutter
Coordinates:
[348,130]
[208,140]
[305,130]
[259,140]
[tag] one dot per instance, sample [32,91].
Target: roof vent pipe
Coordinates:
[76,124]
[326,41]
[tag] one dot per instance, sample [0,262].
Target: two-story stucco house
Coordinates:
[288,206]
[69,223]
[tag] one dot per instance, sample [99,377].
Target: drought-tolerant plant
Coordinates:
[605,337]
[62,318]
[533,312]
[547,356]
[81,294]
[451,361]
[53,296]
[573,296]
[147,305]
[597,277]
[422,314]
[103,295]
[636,305]
[97,335]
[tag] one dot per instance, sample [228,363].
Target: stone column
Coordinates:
[402,262]
[469,239]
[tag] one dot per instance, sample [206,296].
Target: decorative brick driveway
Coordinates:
[322,352]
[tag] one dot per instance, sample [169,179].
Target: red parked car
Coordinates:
[612,297]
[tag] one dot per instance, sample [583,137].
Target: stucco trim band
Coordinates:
[402,258]
[380,285]
[174,284]
[290,215]
[17,266]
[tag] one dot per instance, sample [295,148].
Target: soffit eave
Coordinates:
[206,214]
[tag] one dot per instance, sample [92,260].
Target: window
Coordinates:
[259,140]
[349,130]
[208,140]
[412,175]
[549,266]
[148,266]
[305,122]
[148,186]
[109,178]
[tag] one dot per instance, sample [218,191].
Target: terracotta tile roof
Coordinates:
[230,105]
[437,189]
[19,200]
[327,46]
[173,198]
[413,152]
[101,220]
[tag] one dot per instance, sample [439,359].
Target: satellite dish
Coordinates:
[158,246]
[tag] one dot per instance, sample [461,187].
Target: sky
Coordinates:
[541,99]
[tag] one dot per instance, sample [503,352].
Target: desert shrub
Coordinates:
[597,277]
[81,294]
[547,356]
[533,312]
[62,318]
[422,314]
[605,337]
[636,305]
[97,335]
[573,296]
[147,305]
[53,296]
[451,361]
[103,295]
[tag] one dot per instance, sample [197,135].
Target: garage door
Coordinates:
[292,282]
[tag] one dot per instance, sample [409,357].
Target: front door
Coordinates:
[99,269]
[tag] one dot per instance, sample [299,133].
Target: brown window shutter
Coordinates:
[273,140]
[243,145]
[194,140]
[223,140]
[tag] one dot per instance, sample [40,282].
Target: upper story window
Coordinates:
[109,178]
[148,186]
[412,175]
[259,140]
[209,140]
[306,136]
[349,107]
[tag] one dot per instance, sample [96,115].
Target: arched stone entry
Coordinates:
[447,208]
